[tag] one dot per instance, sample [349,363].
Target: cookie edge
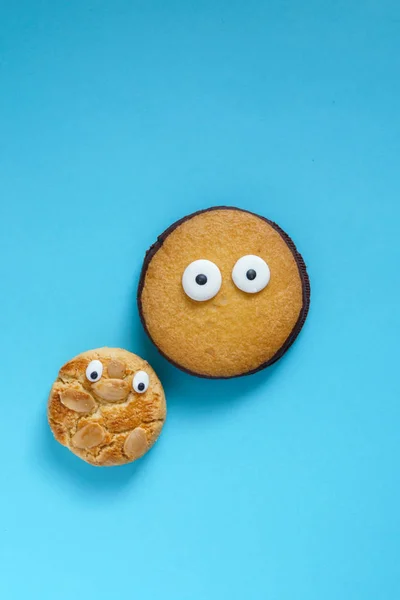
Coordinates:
[305,280]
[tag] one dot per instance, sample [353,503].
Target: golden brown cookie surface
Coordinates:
[214,328]
[107,406]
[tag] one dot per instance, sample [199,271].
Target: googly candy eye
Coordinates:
[251,274]
[94,371]
[140,382]
[201,280]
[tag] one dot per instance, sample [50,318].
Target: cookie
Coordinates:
[223,292]
[107,406]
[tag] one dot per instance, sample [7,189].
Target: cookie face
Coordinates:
[223,293]
[107,406]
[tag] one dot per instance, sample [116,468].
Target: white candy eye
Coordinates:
[140,382]
[251,274]
[201,280]
[94,371]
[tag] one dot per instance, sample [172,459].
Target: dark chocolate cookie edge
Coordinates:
[306,291]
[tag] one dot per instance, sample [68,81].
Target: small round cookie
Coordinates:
[223,292]
[107,406]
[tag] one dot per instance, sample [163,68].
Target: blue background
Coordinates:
[117,118]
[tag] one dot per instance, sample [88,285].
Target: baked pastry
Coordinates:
[107,406]
[223,292]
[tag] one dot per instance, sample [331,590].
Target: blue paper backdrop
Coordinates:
[117,118]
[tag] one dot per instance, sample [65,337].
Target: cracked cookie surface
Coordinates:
[107,406]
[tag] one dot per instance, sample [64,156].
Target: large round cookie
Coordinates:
[107,406]
[223,292]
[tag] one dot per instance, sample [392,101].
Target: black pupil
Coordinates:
[93,375]
[141,387]
[251,274]
[201,279]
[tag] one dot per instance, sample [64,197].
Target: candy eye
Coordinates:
[94,371]
[140,382]
[201,280]
[251,274]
